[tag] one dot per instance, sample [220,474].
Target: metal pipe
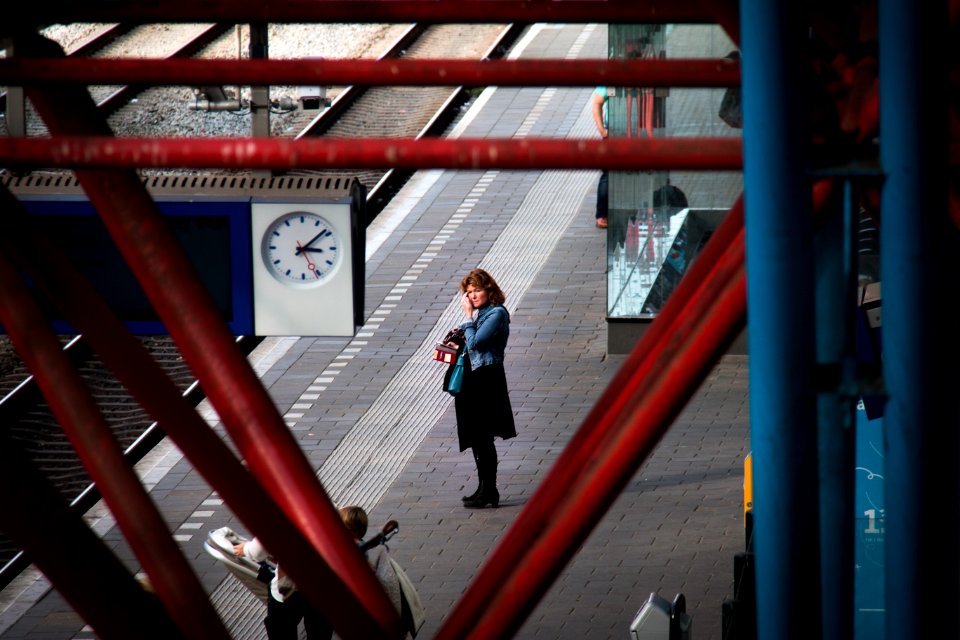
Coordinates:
[83,307]
[630,434]
[615,154]
[918,250]
[835,300]
[375,11]
[259,93]
[781,332]
[394,72]
[77,412]
[190,315]
[215,105]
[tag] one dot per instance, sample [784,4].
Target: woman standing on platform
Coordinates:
[483,403]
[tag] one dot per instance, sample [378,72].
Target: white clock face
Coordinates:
[301,249]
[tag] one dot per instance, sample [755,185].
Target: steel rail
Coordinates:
[404,72]
[328,117]
[121,97]
[100,40]
[691,154]
[382,192]
[107,36]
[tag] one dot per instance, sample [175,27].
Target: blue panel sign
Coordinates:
[215,235]
[869,527]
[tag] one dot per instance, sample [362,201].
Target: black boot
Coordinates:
[476,494]
[487,461]
[487,497]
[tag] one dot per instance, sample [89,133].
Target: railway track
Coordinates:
[30,424]
[408,112]
[355,112]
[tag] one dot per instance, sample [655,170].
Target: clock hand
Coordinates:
[302,251]
[315,238]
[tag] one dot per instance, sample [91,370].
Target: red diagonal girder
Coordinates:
[83,307]
[76,411]
[632,437]
[185,307]
[564,473]
[36,517]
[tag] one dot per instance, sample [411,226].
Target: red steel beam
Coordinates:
[390,72]
[68,553]
[190,315]
[618,154]
[35,516]
[368,11]
[81,305]
[143,526]
[727,15]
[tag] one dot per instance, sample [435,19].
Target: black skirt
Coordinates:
[483,406]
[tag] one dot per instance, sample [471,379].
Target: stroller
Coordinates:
[256,576]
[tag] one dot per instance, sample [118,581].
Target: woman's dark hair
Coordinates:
[480,279]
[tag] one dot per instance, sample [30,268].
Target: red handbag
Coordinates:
[444,353]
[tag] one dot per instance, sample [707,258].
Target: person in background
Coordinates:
[483,405]
[599,104]
[286,606]
[395,582]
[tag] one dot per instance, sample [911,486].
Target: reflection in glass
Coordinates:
[658,220]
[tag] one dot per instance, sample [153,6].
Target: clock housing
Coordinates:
[303,282]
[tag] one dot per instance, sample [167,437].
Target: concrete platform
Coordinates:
[370,415]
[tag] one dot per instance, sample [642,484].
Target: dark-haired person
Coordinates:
[286,606]
[483,403]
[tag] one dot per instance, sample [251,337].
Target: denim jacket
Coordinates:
[487,336]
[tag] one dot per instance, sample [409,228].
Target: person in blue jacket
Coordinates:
[483,404]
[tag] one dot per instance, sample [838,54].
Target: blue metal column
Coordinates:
[835,300]
[918,255]
[780,317]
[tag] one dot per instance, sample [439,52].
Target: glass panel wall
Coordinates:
[658,220]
